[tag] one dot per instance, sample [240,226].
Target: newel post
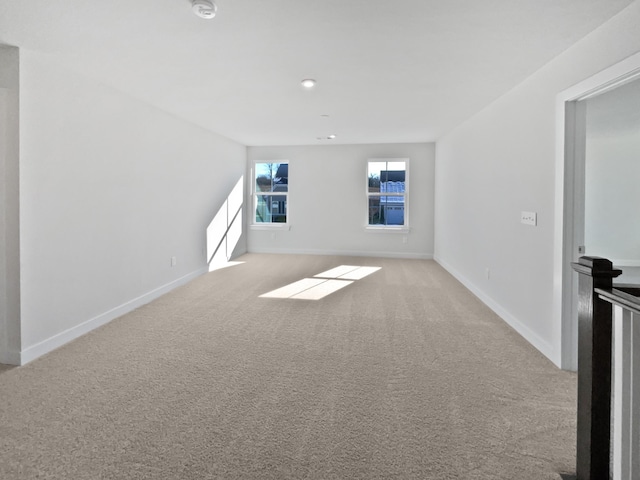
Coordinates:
[594,369]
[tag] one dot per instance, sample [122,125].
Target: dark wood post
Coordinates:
[594,369]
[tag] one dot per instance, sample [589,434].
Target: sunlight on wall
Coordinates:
[224,231]
[323,284]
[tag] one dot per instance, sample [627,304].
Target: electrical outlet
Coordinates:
[404,239]
[174,261]
[529,218]
[487,272]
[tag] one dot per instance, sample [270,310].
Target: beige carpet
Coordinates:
[402,375]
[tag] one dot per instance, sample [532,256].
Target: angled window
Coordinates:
[270,192]
[387,189]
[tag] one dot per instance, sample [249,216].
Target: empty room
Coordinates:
[248,239]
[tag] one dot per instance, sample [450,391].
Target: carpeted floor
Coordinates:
[5,368]
[402,375]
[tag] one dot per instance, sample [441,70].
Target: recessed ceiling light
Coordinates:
[325,115]
[204,8]
[331,137]
[308,83]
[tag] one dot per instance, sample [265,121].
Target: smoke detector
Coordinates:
[204,8]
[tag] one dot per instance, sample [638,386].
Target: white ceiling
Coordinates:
[387,70]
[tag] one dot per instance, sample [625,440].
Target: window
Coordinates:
[271,190]
[387,181]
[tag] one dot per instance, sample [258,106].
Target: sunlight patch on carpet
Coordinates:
[348,272]
[322,284]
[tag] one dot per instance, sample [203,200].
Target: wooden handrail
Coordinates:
[626,296]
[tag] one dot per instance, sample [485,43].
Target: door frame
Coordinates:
[9,230]
[4,347]
[569,194]
[10,320]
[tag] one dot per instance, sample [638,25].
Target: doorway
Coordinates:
[612,178]
[602,168]
[581,146]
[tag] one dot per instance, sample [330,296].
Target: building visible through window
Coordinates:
[386,192]
[271,190]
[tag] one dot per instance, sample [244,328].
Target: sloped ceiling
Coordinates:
[387,71]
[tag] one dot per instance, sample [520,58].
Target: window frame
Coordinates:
[254,199]
[388,228]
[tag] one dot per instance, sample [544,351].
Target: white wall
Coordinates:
[612,196]
[9,213]
[327,201]
[501,162]
[111,189]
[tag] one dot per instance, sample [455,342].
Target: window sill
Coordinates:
[376,229]
[269,226]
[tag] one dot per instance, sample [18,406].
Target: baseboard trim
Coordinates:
[525,332]
[347,253]
[62,338]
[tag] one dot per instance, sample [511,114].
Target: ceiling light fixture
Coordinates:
[331,137]
[308,83]
[204,8]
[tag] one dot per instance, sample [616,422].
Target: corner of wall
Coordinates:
[544,347]
[35,351]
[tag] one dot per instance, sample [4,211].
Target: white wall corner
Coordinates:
[35,351]
[544,347]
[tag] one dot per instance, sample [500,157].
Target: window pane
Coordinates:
[374,175]
[376,215]
[272,177]
[396,166]
[392,181]
[394,214]
[386,210]
[271,209]
[387,189]
[387,177]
